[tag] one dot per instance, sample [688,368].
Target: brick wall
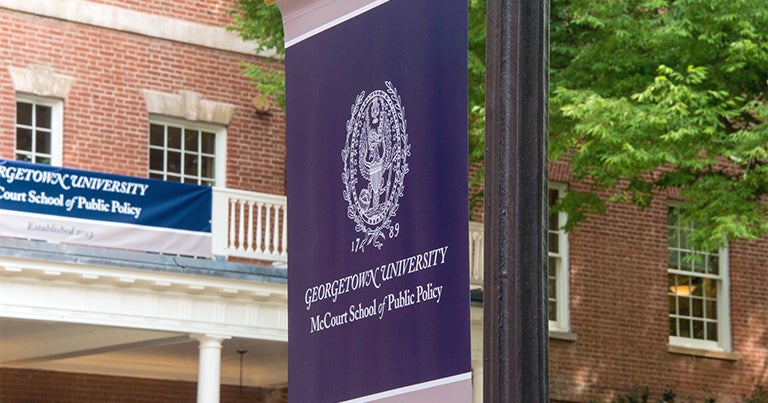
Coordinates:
[619,312]
[31,386]
[105,116]
[208,12]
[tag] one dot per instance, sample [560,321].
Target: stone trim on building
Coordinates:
[188,105]
[40,80]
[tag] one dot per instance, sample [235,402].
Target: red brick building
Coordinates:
[641,314]
[120,86]
[146,89]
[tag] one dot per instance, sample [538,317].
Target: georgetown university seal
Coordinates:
[374,156]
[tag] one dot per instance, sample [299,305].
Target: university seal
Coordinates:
[375,163]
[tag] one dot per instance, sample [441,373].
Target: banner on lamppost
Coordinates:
[378,281]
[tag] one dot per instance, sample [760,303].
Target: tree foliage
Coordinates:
[257,21]
[653,95]
[646,96]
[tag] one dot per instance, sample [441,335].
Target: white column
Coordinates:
[477,381]
[209,367]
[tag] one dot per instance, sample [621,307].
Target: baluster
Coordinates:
[241,227]
[250,226]
[258,227]
[276,232]
[285,232]
[231,239]
[479,256]
[267,235]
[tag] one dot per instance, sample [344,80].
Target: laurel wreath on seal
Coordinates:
[401,152]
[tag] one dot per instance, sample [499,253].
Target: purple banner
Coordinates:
[378,199]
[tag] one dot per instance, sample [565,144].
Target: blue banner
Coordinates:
[378,206]
[62,204]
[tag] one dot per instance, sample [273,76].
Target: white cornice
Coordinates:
[142,299]
[120,19]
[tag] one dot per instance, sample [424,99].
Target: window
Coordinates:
[698,291]
[185,152]
[557,266]
[38,130]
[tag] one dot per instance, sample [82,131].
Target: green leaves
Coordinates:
[646,96]
[666,95]
[256,21]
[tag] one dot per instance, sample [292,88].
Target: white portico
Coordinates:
[73,308]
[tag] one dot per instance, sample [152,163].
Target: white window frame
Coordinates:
[57,124]
[562,273]
[220,162]
[723,343]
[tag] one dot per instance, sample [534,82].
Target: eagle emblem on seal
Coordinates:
[375,157]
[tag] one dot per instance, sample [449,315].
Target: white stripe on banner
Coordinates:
[312,20]
[104,234]
[457,388]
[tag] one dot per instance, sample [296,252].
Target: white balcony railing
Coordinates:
[249,225]
[476,238]
[253,225]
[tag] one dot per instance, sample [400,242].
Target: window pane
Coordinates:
[154,175]
[190,140]
[43,116]
[714,264]
[23,157]
[698,287]
[674,260]
[174,137]
[712,331]
[711,290]
[173,178]
[685,261]
[698,263]
[672,304]
[698,307]
[552,289]
[24,113]
[208,168]
[209,143]
[684,306]
[23,139]
[553,196]
[698,330]
[157,135]
[190,164]
[711,307]
[685,328]
[672,237]
[552,306]
[174,162]
[156,162]
[43,142]
[553,263]
[554,244]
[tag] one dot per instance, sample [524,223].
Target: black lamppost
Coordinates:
[515,357]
